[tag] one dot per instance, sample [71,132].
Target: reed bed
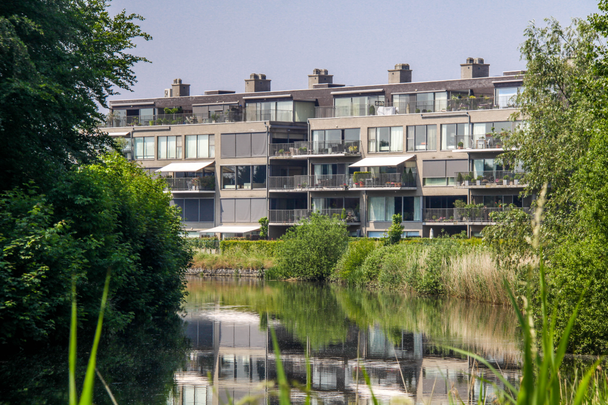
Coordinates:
[237,259]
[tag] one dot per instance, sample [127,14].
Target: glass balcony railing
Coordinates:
[278,217]
[304,148]
[490,178]
[206,183]
[467,215]
[318,182]
[172,119]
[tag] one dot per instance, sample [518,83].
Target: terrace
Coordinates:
[289,217]
[492,178]
[305,149]
[359,180]
[470,215]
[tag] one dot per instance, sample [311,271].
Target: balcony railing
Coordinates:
[191,183]
[271,115]
[495,178]
[414,107]
[341,181]
[350,216]
[172,119]
[465,215]
[307,148]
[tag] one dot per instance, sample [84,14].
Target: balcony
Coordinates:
[458,104]
[319,182]
[305,149]
[473,215]
[496,178]
[172,119]
[290,217]
[199,184]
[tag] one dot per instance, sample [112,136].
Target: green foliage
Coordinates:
[395,230]
[310,250]
[203,243]
[268,248]
[263,227]
[353,258]
[58,61]
[109,215]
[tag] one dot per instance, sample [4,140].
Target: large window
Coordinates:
[243,177]
[144,147]
[382,209]
[357,106]
[244,145]
[242,210]
[506,97]
[491,134]
[454,136]
[442,172]
[421,137]
[385,139]
[169,147]
[270,111]
[420,102]
[196,209]
[200,146]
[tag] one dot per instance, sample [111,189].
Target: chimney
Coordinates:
[257,82]
[178,89]
[401,74]
[319,76]
[474,67]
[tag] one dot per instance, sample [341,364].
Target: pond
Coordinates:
[222,347]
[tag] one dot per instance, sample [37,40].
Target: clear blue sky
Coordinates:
[217,44]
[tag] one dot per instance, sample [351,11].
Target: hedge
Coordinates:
[265,247]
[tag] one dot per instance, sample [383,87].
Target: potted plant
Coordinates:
[505,180]
[516,179]
[459,178]
[214,118]
[371,110]
[280,152]
[460,145]
[303,150]
[479,179]
[468,179]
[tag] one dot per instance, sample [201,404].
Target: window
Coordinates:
[421,102]
[196,209]
[270,111]
[243,177]
[385,139]
[169,147]
[442,172]
[357,106]
[200,146]
[421,137]
[491,134]
[506,97]
[244,145]
[242,210]
[144,147]
[382,209]
[453,134]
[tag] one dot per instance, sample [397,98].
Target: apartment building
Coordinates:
[364,153]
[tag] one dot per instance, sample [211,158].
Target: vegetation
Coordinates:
[311,249]
[395,230]
[237,259]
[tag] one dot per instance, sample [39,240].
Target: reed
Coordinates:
[237,259]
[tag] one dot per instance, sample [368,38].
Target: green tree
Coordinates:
[311,249]
[263,227]
[395,230]
[59,60]
[563,144]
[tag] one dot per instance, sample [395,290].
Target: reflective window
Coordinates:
[169,147]
[144,147]
[385,139]
[200,146]
[421,137]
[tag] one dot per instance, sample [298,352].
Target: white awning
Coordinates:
[184,167]
[232,229]
[118,133]
[383,161]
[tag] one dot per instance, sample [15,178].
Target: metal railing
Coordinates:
[470,214]
[172,119]
[350,216]
[341,181]
[304,148]
[489,178]
[270,115]
[191,183]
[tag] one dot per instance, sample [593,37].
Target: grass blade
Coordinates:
[72,350]
[89,380]
[283,385]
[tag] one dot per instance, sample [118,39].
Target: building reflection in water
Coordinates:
[229,346]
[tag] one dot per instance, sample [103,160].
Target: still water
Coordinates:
[402,342]
[222,347]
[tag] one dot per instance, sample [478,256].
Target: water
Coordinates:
[402,342]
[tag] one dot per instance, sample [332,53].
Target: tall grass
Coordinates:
[236,259]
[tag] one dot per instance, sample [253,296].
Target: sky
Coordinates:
[216,45]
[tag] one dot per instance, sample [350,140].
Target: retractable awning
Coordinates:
[184,167]
[390,161]
[232,229]
[114,134]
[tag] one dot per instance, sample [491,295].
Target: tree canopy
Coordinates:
[59,60]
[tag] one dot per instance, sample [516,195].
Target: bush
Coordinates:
[354,257]
[311,249]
